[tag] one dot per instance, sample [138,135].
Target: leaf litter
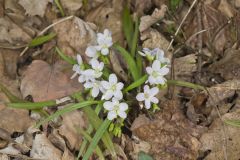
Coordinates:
[190,126]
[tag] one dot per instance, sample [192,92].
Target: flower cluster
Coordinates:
[156,74]
[92,79]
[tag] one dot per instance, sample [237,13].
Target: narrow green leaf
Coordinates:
[235,123]
[139,63]
[135,39]
[144,156]
[88,138]
[174,4]
[89,131]
[130,61]
[41,39]
[101,130]
[66,110]
[185,84]
[127,25]
[32,105]
[68,59]
[59,7]
[12,98]
[136,83]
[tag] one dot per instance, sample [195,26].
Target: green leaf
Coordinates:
[144,156]
[185,84]
[32,105]
[130,61]
[127,25]
[41,39]
[68,59]
[136,83]
[135,39]
[174,4]
[66,110]
[235,123]
[101,130]
[88,137]
[59,7]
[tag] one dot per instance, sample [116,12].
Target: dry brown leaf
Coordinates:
[34,7]
[141,6]
[147,21]
[42,148]
[4,157]
[228,66]
[185,66]
[71,5]
[15,120]
[68,129]
[220,137]
[44,82]
[108,15]
[11,33]
[237,3]
[153,39]
[226,8]
[170,134]
[75,35]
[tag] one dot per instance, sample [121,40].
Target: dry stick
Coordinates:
[183,20]
[46,29]
[170,44]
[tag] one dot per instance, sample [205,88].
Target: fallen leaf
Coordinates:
[75,35]
[220,138]
[14,120]
[71,5]
[34,7]
[147,21]
[42,148]
[44,82]
[141,6]
[68,129]
[226,8]
[170,134]
[4,157]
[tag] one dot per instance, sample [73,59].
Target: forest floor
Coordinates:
[200,37]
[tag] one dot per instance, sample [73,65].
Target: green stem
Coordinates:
[185,84]
[32,105]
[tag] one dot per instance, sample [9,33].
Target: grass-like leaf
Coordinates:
[127,25]
[32,105]
[12,98]
[41,39]
[144,156]
[101,130]
[235,123]
[135,39]
[136,83]
[88,138]
[68,59]
[59,7]
[185,84]
[66,110]
[130,61]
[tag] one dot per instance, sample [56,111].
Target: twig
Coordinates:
[200,40]
[46,29]
[179,27]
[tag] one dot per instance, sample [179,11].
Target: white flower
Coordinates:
[77,68]
[92,52]
[160,56]
[115,109]
[156,73]
[104,41]
[148,96]
[97,67]
[113,88]
[148,53]
[86,75]
[96,87]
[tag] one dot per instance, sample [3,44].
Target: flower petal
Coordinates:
[123,106]
[79,59]
[113,78]
[147,104]
[104,51]
[105,84]
[119,86]
[122,114]
[108,105]
[146,89]
[95,91]
[154,91]
[91,51]
[111,115]
[149,70]
[164,70]
[154,100]
[118,94]
[156,65]
[140,97]
[107,95]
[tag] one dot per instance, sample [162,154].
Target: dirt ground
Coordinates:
[200,37]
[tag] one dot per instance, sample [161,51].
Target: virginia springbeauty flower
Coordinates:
[97,67]
[149,54]
[104,42]
[92,52]
[148,96]
[115,109]
[156,73]
[77,68]
[160,56]
[113,88]
[95,87]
